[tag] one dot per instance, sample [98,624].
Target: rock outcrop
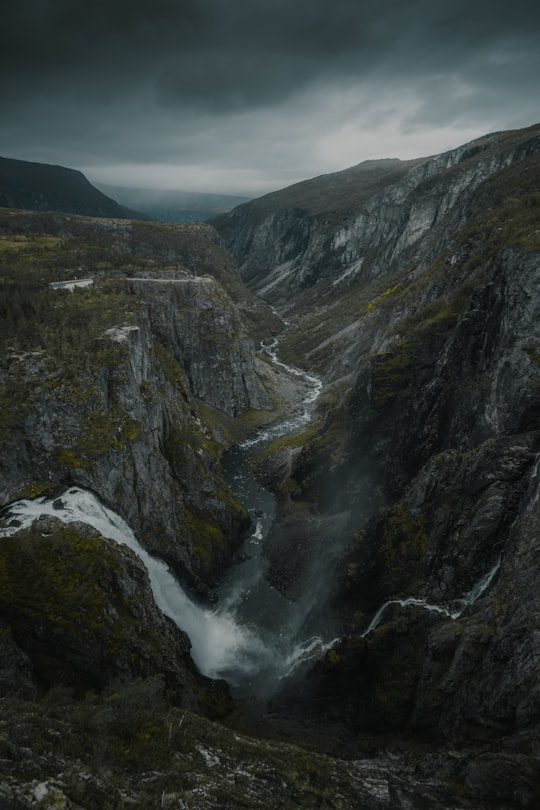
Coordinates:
[105,386]
[347,229]
[78,612]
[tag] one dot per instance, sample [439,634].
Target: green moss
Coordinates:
[332,658]
[174,374]
[104,429]
[34,243]
[68,457]
[513,223]
[375,303]
[392,373]
[532,350]
[206,534]
[34,489]
[404,541]
[50,578]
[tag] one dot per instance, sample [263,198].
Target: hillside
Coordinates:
[322,239]
[42,187]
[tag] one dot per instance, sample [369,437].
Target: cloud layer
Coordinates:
[250,95]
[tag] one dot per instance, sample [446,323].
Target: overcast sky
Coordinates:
[246,96]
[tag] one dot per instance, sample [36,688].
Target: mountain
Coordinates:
[412,507]
[42,187]
[174,206]
[336,232]
[405,543]
[128,356]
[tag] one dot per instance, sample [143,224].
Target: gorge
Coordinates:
[344,506]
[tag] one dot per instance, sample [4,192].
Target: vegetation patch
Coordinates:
[403,542]
[392,373]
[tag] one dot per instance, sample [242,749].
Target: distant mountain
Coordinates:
[174,206]
[340,231]
[43,187]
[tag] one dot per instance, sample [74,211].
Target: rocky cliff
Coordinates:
[420,489]
[342,231]
[77,612]
[102,384]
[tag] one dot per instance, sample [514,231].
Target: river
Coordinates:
[250,635]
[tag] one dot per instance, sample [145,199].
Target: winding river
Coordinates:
[251,636]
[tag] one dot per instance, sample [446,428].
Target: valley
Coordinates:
[318,417]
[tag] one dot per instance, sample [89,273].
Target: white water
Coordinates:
[250,636]
[218,642]
[303,415]
[453,610]
[223,644]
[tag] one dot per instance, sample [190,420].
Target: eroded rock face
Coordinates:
[105,387]
[284,243]
[430,456]
[445,422]
[80,613]
[197,323]
[128,428]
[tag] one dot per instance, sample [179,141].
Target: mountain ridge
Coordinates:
[47,187]
[283,250]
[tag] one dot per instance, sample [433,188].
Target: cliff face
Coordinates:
[101,386]
[196,322]
[428,462]
[407,511]
[77,612]
[351,239]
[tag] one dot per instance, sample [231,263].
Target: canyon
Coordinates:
[371,340]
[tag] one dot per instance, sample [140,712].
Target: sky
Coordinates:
[248,96]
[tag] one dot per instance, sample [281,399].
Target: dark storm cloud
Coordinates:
[212,52]
[140,79]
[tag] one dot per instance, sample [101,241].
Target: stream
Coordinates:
[251,635]
[245,592]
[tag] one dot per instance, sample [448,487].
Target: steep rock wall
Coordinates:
[105,386]
[287,250]
[427,461]
[197,323]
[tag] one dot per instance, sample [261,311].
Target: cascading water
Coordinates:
[217,639]
[303,413]
[453,610]
[251,636]
[245,592]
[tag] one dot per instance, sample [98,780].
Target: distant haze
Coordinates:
[173,206]
[250,96]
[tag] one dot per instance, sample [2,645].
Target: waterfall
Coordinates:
[252,635]
[453,611]
[217,640]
